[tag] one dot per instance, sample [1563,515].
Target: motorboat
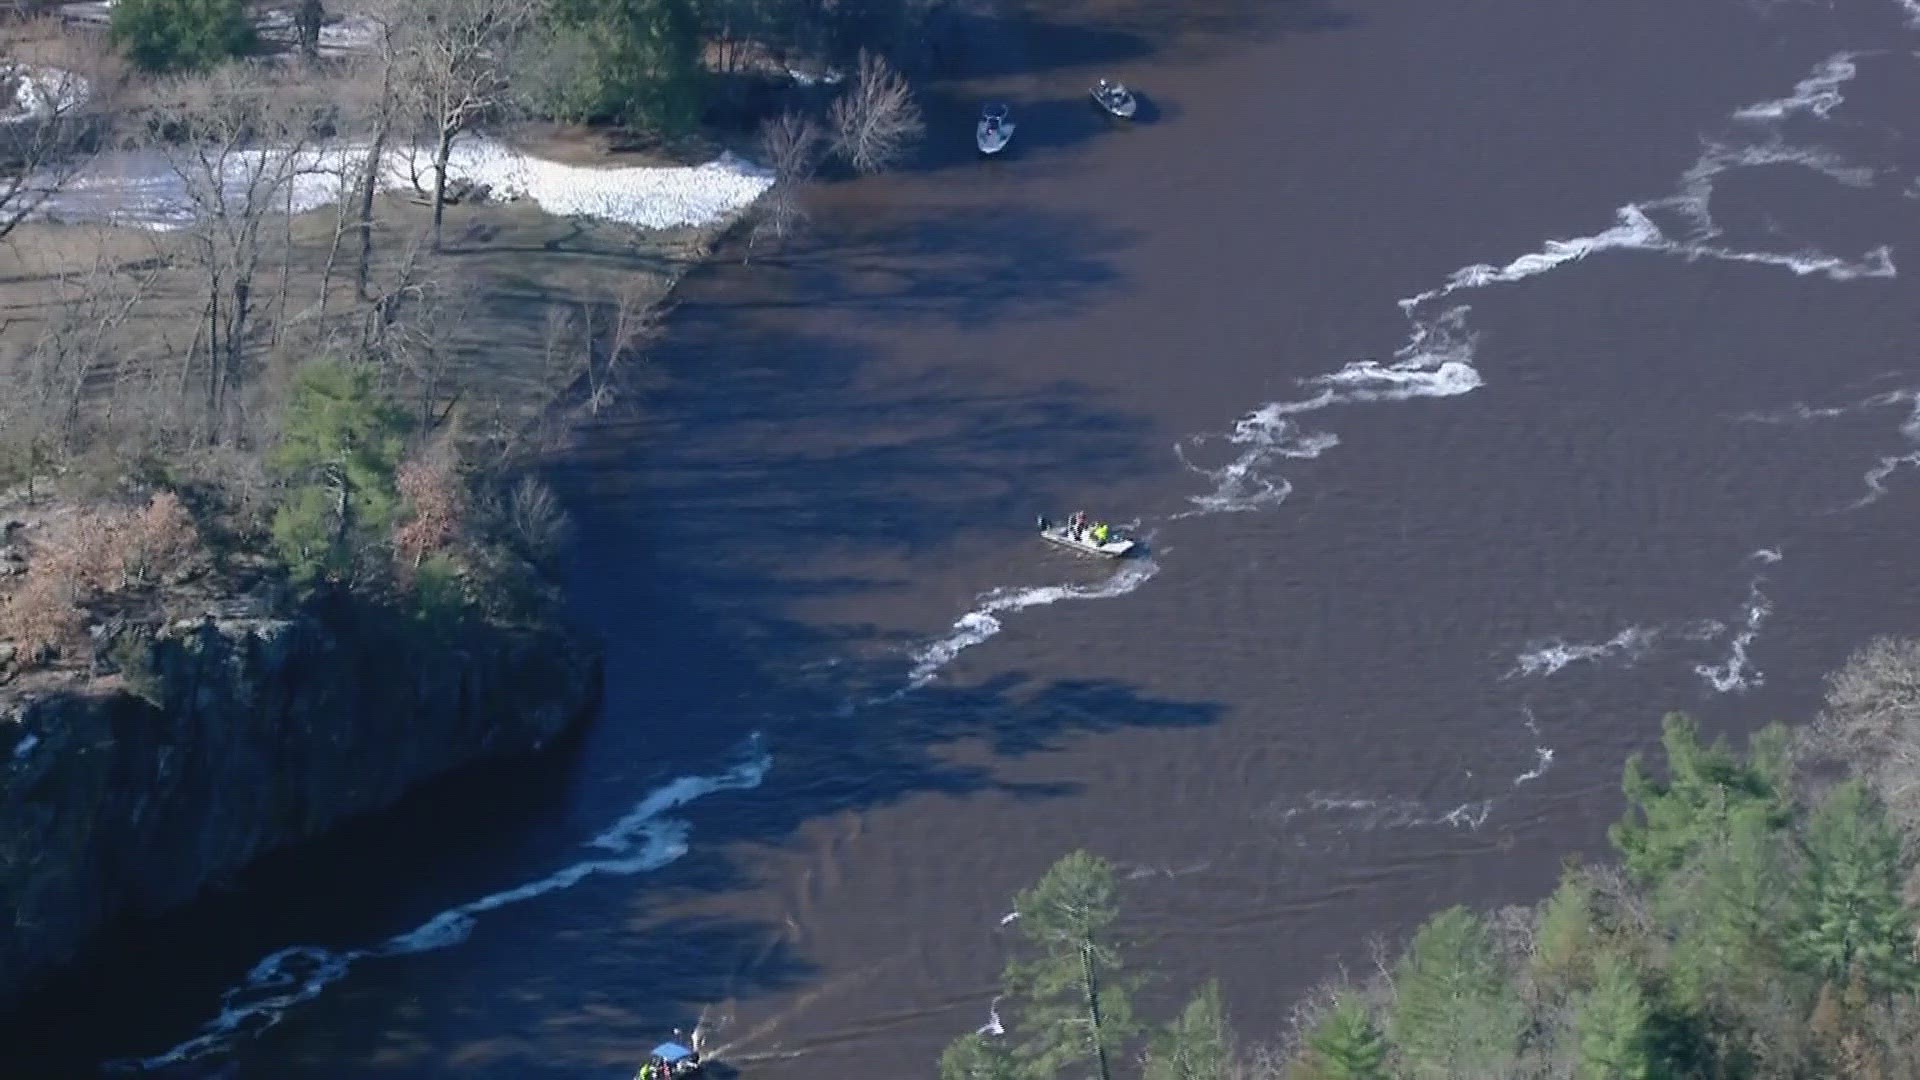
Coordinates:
[1089,539]
[1116,99]
[670,1061]
[994,131]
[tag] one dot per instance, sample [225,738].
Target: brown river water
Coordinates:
[1486,377]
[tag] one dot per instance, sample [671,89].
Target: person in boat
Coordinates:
[1100,532]
[1077,524]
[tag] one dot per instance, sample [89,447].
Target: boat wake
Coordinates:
[984,622]
[1438,358]
[1736,672]
[1545,658]
[643,840]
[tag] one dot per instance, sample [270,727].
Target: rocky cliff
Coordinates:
[196,746]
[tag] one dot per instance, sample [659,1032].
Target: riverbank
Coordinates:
[192,725]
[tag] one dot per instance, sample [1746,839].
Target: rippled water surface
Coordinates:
[1486,378]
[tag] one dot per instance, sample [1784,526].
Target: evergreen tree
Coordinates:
[1564,937]
[1075,1004]
[633,61]
[1455,1013]
[181,34]
[1614,1025]
[1345,1045]
[340,450]
[977,1056]
[1706,786]
[1198,1045]
[1725,909]
[1851,920]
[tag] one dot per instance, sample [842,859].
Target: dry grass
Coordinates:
[506,270]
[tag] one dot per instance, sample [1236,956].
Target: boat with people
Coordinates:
[1115,98]
[994,131]
[669,1061]
[1087,537]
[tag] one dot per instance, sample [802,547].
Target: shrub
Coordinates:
[41,615]
[166,35]
[438,506]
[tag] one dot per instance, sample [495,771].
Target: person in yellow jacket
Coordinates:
[1100,532]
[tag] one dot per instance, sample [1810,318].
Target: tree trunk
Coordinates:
[368,182]
[286,270]
[440,155]
[1091,988]
[213,361]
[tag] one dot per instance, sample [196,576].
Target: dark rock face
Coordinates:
[217,741]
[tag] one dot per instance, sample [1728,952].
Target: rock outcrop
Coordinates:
[197,746]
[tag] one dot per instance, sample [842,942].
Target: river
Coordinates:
[1487,377]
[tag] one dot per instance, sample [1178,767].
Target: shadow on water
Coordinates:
[1006,262]
[998,44]
[769,471]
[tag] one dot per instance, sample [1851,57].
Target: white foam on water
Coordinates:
[1877,476]
[1438,357]
[1375,814]
[1912,8]
[1818,93]
[983,621]
[25,747]
[644,839]
[1545,658]
[1543,761]
[1632,230]
[1435,362]
[993,1026]
[1467,815]
[1736,672]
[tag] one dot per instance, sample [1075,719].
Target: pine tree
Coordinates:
[1851,920]
[1075,1004]
[340,449]
[1706,786]
[1198,1045]
[1726,909]
[977,1056]
[1613,1025]
[181,34]
[1345,1045]
[1455,1013]
[1564,937]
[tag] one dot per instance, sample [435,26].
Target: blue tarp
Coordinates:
[671,1052]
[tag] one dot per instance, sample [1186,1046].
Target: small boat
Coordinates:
[994,130]
[669,1061]
[1111,545]
[1115,99]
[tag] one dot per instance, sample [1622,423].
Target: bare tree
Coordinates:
[790,144]
[456,58]
[57,369]
[537,520]
[51,118]
[377,109]
[235,139]
[1872,725]
[876,121]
